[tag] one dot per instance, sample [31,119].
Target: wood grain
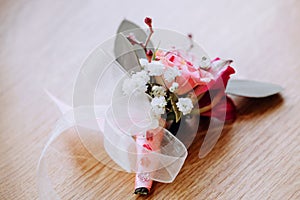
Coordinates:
[43,43]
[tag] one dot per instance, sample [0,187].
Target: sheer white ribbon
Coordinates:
[119,145]
[117,123]
[99,105]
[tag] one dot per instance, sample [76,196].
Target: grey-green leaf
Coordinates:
[125,54]
[127,27]
[251,89]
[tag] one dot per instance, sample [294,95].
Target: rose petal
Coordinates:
[226,106]
[220,82]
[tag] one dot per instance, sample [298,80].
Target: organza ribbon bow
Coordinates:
[119,120]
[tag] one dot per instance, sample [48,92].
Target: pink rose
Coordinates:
[210,83]
[191,76]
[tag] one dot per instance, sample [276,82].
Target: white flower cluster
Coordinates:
[158,91]
[158,105]
[156,68]
[174,87]
[137,81]
[171,72]
[185,105]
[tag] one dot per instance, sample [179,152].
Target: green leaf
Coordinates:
[174,99]
[122,45]
[125,54]
[251,89]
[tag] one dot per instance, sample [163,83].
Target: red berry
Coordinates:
[148,21]
[149,52]
[149,55]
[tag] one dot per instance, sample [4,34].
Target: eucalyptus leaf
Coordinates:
[127,27]
[124,53]
[251,89]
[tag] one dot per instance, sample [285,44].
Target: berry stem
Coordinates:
[133,41]
[149,36]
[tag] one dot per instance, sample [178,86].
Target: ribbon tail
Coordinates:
[116,146]
[61,105]
[46,190]
[67,121]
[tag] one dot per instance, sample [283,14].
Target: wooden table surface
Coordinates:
[42,46]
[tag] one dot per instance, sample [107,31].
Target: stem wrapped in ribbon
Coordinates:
[145,143]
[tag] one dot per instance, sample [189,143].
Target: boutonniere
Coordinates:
[153,86]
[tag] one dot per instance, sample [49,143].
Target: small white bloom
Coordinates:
[171,73]
[144,62]
[158,91]
[173,87]
[205,63]
[137,81]
[141,77]
[158,105]
[185,105]
[155,68]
